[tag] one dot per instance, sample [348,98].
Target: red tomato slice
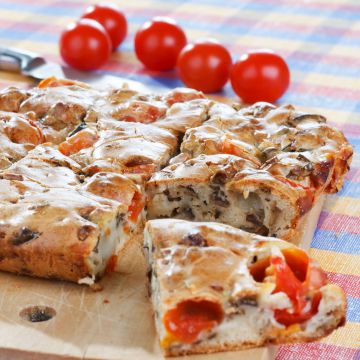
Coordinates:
[135,207]
[298,278]
[191,317]
[285,318]
[81,140]
[287,282]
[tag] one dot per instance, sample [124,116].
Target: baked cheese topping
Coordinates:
[284,141]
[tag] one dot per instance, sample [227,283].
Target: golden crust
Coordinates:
[138,135]
[46,166]
[284,141]
[185,115]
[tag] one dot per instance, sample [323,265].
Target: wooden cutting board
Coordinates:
[115,323]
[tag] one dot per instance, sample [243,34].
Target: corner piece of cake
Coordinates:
[57,223]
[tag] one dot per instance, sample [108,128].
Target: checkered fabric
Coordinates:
[320,40]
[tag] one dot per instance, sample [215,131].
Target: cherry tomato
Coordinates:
[260,76]
[204,65]
[111,18]
[85,45]
[158,43]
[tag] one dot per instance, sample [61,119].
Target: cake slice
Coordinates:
[286,142]
[232,190]
[47,166]
[185,115]
[57,223]
[217,288]
[134,149]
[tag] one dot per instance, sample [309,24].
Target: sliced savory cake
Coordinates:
[229,189]
[217,288]
[57,223]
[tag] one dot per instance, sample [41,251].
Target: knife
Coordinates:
[33,65]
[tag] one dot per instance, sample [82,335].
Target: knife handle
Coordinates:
[16,60]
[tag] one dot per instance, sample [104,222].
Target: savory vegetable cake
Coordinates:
[258,168]
[297,151]
[66,209]
[218,288]
[55,223]
[82,168]
[295,145]
[232,190]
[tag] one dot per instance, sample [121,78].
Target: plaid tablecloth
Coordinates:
[320,40]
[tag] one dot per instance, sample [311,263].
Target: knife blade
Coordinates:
[35,66]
